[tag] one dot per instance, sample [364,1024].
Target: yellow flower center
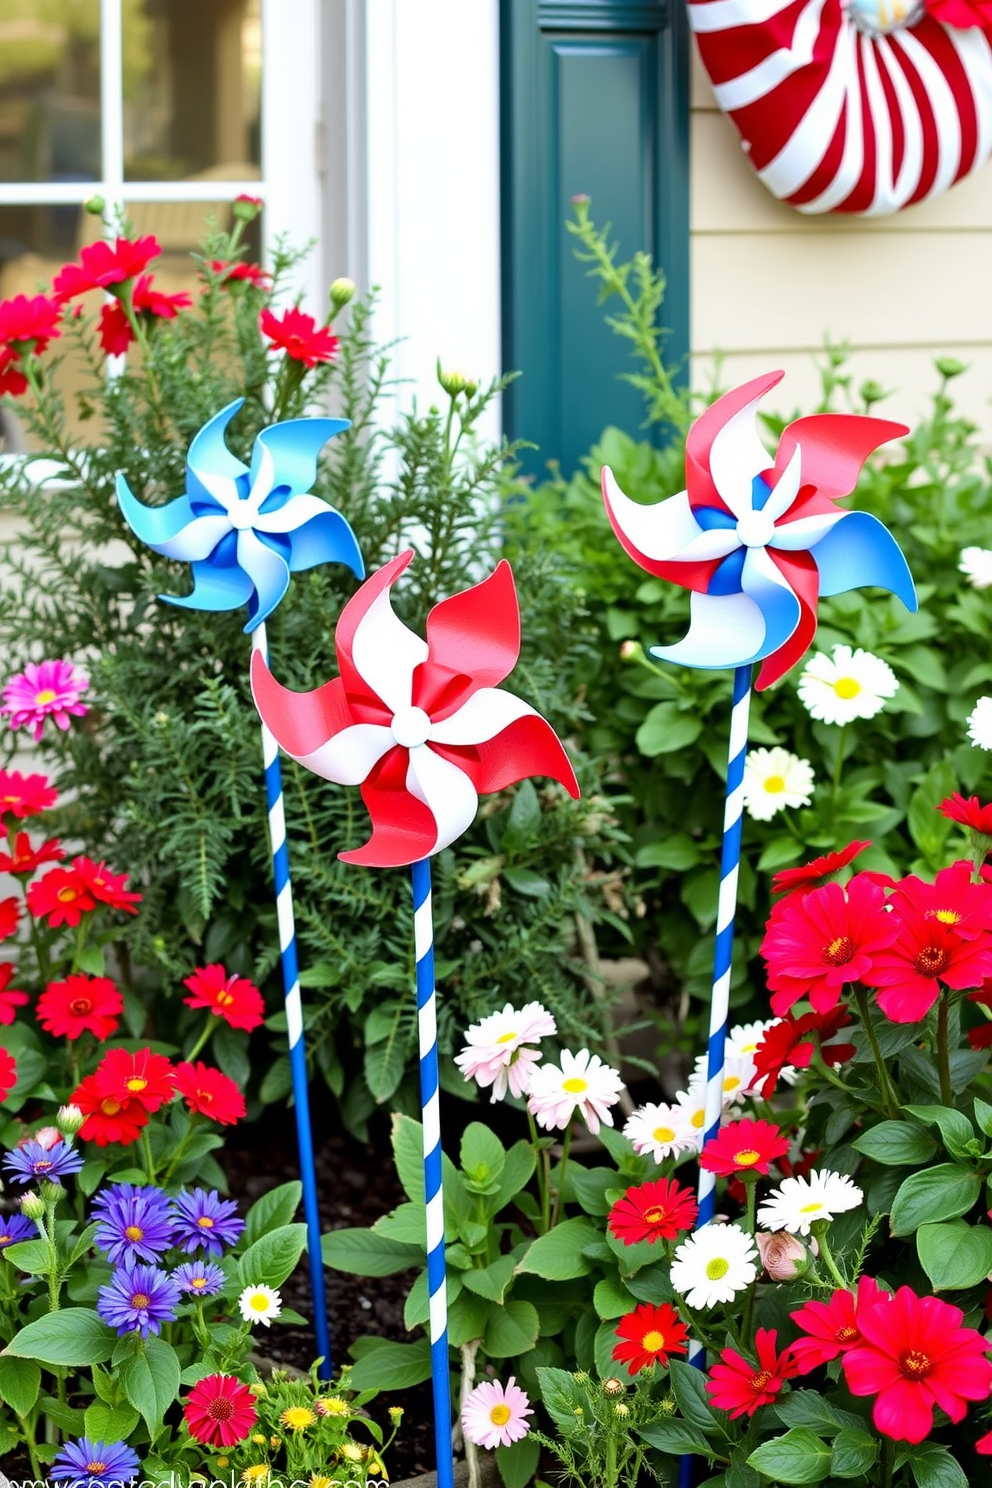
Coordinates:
[839,951]
[259,1302]
[774,784]
[506,1038]
[198,1282]
[47,695]
[205,1222]
[813,1208]
[134,1232]
[731,1082]
[500,1414]
[847,687]
[717,1268]
[747,1158]
[574,1085]
[657,1214]
[663,1134]
[653,1341]
[110,1107]
[698,1118]
[297,1418]
[139,1299]
[136,1083]
[945,916]
[915,1364]
[96,1467]
[758,1381]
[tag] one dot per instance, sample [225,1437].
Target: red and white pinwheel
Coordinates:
[420,725]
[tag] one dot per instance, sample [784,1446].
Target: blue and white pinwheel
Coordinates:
[244,531]
[758,541]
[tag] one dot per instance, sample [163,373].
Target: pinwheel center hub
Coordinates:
[755,529]
[243,515]
[410,727]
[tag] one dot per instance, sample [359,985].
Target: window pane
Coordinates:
[49,90]
[192,89]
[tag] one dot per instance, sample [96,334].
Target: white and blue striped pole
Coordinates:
[423,941]
[294,1025]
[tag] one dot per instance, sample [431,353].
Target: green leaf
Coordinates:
[611,1299]
[73,1336]
[562,1397]
[273,1257]
[955,1256]
[482,1157]
[381,1365]
[524,821]
[492,1281]
[797,1457]
[689,1385]
[407,1223]
[983,1115]
[854,1453]
[20,1381]
[32,1256]
[592,1187]
[675,1438]
[518,1463]
[933,1467]
[90,959]
[557,1256]
[273,1210]
[667,729]
[467,1319]
[526,881]
[896,1143]
[110,1423]
[366,1253]
[944,1192]
[807,1408]
[955,1128]
[517,1171]
[677,852]
[511,1329]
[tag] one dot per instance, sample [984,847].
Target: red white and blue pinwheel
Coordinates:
[758,541]
[244,531]
[421,725]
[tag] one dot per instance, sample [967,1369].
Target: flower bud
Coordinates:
[630,649]
[342,290]
[949,367]
[46,1136]
[613,1386]
[621,1409]
[452,382]
[246,208]
[69,1120]
[783,1256]
[95,205]
[871,392]
[51,1193]
[33,1206]
[396,1414]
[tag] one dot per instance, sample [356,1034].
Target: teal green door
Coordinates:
[594,99]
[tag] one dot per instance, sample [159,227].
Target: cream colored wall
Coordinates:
[768,283]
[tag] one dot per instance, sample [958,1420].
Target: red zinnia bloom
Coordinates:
[80,1004]
[740,1387]
[232,273]
[928,951]
[233,998]
[28,325]
[108,1119]
[145,1077]
[27,859]
[913,1355]
[220,1410]
[12,379]
[832,1327]
[25,795]
[106,887]
[8,1074]
[789,1042]
[116,332]
[63,895]
[822,940]
[649,1333]
[743,1147]
[983,1446]
[10,913]
[952,900]
[970,813]
[101,266]
[299,336]
[10,998]
[210,1093]
[812,875]
[654,1211]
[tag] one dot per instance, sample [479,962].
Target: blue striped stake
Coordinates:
[730,861]
[423,941]
[294,1025]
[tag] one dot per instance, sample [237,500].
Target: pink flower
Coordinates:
[495,1054]
[584,1085]
[783,1256]
[44,689]
[496,1417]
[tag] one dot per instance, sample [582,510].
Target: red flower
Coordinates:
[219,1410]
[145,1077]
[10,998]
[116,332]
[25,795]
[27,326]
[12,379]
[10,913]
[210,1093]
[101,266]
[106,887]
[983,1446]
[940,939]
[812,875]
[970,813]
[819,942]
[232,273]
[108,1119]
[80,1004]
[789,1042]
[298,335]
[831,1328]
[654,1211]
[913,1355]
[233,998]
[8,1074]
[743,1147]
[740,1387]
[27,859]
[62,895]
[961,14]
[952,900]
[647,1334]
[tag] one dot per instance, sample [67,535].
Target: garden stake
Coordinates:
[424,729]
[244,531]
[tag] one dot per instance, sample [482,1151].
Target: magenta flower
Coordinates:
[44,689]
[496,1417]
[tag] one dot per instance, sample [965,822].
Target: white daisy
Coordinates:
[658,1130]
[690,1108]
[980,723]
[495,1052]
[738,1072]
[584,1084]
[855,684]
[259,1304]
[774,779]
[977,564]
[744,1038]
[798,1202]
[714,1264]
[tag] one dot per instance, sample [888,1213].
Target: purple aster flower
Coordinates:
[136,1223]
[95,1464]
[138,1299]
[204,1218]
[32,1160]
[15,1227]
[199,1278]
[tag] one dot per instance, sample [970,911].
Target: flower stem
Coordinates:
[146,1148]
[826,1255]
[541,1169]
[566,1144]
[208,1029]
[943,1052]
[884,1087]
[838,768]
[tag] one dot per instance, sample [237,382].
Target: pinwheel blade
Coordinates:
[861,552]
[285,455]
[210,466]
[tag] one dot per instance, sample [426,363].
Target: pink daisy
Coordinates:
[496,1417]
[583,1084]
[496,1052]
[44,689]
